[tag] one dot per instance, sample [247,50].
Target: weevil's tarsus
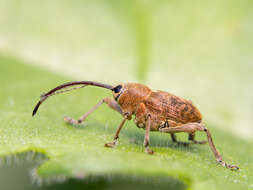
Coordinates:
[230,166]
[216,153]
[193,127]
[65,85]
[109,101]
[70,120]
[112,144]
[116,136]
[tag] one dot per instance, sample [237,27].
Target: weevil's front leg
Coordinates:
[193,127]
[146,139]
[116,136]
[109,101]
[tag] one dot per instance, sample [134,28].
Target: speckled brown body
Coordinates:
[166,109]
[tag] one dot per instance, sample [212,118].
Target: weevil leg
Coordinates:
[109,101]
[146,139]
[216,153]
[193,127]
[116,136]
[174,139]
[191,138]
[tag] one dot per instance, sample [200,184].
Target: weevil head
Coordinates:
[130,94]
[117,91]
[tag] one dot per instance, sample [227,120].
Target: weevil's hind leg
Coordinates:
[116,136]
[191,138]
[146,139]
[109,101]
[193,127]
[174,139]
[216,153]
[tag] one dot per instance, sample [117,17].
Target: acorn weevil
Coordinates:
[153,110]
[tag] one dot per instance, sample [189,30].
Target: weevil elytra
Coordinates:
[153,110]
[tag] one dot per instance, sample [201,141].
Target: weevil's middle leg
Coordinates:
[116,136]
[109,101]
[146,139]
[193,127]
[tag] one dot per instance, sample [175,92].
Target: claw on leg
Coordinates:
[149,151]
[112,144]
[230,166]
[116,136]
[70,120]
[191,128]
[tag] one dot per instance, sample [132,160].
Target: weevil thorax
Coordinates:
[129,95]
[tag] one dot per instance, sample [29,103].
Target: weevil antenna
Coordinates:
[54,91]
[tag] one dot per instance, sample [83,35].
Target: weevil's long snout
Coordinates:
[65,85]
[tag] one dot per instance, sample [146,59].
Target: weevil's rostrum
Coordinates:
[153,111]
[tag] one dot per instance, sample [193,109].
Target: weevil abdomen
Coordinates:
[171,107]
[166,110]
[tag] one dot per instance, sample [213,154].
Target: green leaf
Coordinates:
[75,151]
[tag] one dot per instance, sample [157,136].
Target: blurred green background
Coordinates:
[199,50]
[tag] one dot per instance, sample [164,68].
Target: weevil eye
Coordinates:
[117,88]
[117,92]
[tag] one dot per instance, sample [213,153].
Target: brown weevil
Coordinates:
[153,110]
